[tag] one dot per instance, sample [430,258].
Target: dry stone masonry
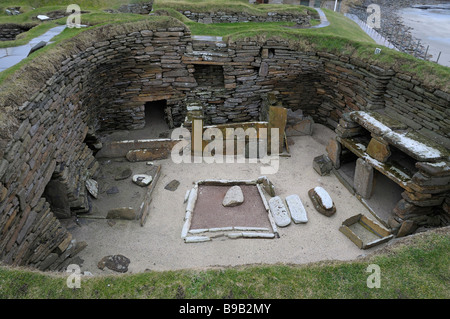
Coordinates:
[102,79]
[10,31]
[233,17]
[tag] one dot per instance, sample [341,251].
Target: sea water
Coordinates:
[430,24]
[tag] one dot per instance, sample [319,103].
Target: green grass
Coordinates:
[339,31]
[93,19]
[33,8]
[416,270]
[341,37]
[84,4]
[26,37]
[226,6]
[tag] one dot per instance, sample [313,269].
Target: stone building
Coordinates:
[105,78]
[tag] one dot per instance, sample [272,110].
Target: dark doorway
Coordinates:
[56,195]
[156,118]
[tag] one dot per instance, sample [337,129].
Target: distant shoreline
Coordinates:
[401,28]
[432,27]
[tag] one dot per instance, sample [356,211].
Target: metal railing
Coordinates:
[397,39]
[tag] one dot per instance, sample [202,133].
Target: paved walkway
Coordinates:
[323,20]
[11,56]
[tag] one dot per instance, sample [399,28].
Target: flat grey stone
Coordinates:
[126,173]
[92,187]
[38,46]
[43,17]
[142,180]
[234,197]
[113,190]
[279,212]
[126,213]
[196,239]
[258,235]
[363,180]
[297,210]
[235,235]
[117,263]
[172,186]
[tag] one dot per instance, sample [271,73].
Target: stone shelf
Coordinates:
[377,123]
[397,134]
[417,146]
[394,171]
[420,166]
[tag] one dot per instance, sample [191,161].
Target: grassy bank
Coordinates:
[417,267]
[227,6]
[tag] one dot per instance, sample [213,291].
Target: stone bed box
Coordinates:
[364,232]
[266,229]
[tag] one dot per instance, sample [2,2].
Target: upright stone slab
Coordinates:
[363,180]
[277,120]
[297,210]
[379,149]
[279,212]
[334,150]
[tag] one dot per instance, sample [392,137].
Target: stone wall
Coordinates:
[142,67]
[9,31]
[137,8]
[229,17]
[321,84]
[421,107]
[104,81]
[46,158]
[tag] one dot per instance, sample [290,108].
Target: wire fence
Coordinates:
[397,37]
[377,37]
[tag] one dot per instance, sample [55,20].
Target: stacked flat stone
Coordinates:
[9,31]
[233,17]
[425,189]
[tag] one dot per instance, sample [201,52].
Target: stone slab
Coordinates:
[377,123]
[279,212]
[363,180]
[379,150]
[320,201]
[417,146]
[322,165]
[334,150]
[297,210]
[197,239]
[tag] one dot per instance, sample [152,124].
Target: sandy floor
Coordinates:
[158,245]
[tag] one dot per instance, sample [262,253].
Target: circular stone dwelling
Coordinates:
[54,107]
